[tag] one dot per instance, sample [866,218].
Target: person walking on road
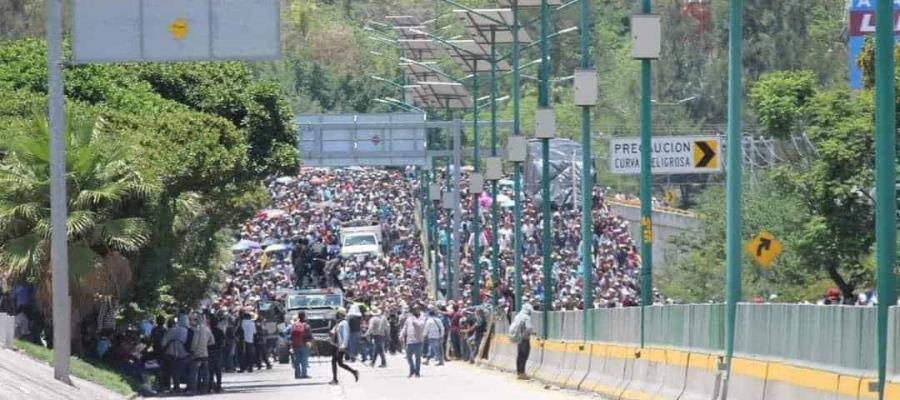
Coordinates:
[340,338]
[175,343]
[300,334]
[520,332]
[413,336]
[247,333]
[198,373]
[378,331]
[216,354]
[434,334]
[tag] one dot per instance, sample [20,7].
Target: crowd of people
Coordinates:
[616,261]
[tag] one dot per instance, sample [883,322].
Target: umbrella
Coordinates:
[285,180]
[245,244]
[268,242]
[277,247]
[274,213]
[507,204]
[506,182]
[502,198]
[485,200]
[316,181]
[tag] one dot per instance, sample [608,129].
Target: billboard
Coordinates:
[862,24]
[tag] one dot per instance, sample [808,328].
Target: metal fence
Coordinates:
[831,337]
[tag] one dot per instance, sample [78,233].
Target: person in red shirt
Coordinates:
[455,343]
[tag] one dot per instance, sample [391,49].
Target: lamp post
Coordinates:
[733,199]
[544,103]
[645,190]
[885,189]
[587,187]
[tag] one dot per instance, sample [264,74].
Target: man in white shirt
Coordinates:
[413,335]
[248,332]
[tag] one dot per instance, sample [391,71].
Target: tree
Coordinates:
[105,195]
[832,186]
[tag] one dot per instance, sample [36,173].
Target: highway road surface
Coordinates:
[453,381]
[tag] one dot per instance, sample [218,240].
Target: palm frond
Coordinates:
[24,254]
[80,223]
[125,234]
[82,259]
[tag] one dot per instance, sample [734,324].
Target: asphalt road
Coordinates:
[453,381]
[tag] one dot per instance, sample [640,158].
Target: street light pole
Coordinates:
[544,102]
[495,242]
[646,182]
[476,217]
[733,200]
[59,257]
[587,184]
[517,167]
[885,182]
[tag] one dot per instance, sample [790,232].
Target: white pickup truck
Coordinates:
[361,240]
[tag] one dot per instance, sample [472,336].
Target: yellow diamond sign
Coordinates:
[179,28]
[764,248]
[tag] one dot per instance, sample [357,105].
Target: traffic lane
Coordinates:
[453,381]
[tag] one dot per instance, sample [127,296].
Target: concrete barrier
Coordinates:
[7,331]
[674,374]
[580,366]
[668,374]
[702,378]
[614,373]
[554,355]
[647,378]
[748,381]
[797,383]
[535,360]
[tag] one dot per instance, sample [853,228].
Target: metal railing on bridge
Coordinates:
[838,338]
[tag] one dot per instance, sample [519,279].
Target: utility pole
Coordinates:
[885,179]
[587,184]
[476,213]
[495,208]
[59,257]
[733,200]
[544,103]
[646,186]
[517,166]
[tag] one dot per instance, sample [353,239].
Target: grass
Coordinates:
[86,370]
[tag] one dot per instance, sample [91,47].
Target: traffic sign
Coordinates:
[669,155]
[185,30]
[764,248]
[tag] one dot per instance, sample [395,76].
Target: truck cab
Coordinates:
[361,239]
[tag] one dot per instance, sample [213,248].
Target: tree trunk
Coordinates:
[846,288]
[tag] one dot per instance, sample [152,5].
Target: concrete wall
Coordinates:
[666,225]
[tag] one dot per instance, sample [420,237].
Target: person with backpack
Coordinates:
[300,335]
[520,332]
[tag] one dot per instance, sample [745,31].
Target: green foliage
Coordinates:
[698,276]
[778,99]
[102,187]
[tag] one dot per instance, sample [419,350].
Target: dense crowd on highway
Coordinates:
[615,257]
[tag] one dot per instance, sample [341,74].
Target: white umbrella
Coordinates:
[284,180]
[508,204]
[274,213]
[245,244]
[502,198]
[277,247]
[506,182]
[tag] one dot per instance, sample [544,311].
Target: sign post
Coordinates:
[135,31]
[668,155]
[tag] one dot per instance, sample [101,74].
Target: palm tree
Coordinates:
[105,195]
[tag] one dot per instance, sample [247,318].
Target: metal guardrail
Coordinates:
[839,338]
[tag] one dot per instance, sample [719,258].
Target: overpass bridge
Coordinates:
[667,224]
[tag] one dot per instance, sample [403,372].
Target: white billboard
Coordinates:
[669,155]
[183,30]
